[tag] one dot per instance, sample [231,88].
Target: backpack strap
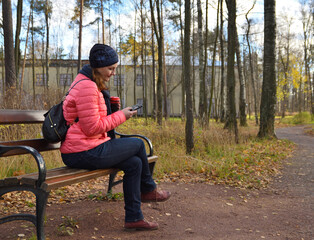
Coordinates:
[75,84]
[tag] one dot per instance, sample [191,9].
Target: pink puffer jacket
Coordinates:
[87,103]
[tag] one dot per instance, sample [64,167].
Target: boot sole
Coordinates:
[139,229]
[152,201]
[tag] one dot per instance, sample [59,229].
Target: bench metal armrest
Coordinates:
[150,145]
[38,157]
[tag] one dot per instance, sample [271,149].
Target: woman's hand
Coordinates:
[128,112]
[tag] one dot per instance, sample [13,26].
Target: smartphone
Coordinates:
[136,107]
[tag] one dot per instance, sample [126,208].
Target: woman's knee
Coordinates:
[139,142]
[132,164]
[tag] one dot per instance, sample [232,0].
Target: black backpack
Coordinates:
[55,127]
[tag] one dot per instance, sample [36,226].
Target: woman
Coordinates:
[88,145]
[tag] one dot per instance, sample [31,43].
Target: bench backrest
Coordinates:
[8,116]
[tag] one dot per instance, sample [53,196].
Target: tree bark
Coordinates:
[222,59]
[10,73]
[80,37]
[159,37]
[201,107]
[161,24]
[33,55]
[267,110]
[134,58]
[153,69]
[231,121]
[47,16]
[17,53]
[189,139]
[242,102]
[213,65]
[251,64]
[24,59]
[102,21]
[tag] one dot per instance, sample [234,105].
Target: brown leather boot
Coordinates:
[140,225]
[155,196]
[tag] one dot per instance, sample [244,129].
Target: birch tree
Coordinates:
[159,36]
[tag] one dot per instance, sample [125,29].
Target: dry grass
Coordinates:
[215,157]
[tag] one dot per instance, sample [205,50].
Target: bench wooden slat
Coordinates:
[67,180]
[40,145]
[54,176]
[12,116]
[55,172]
[64,176]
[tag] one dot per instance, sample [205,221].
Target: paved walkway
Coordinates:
[298,177]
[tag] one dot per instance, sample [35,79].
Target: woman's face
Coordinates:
[107,72]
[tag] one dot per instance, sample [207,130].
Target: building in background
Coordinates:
[63,72]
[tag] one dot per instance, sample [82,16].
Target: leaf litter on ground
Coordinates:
[215,160]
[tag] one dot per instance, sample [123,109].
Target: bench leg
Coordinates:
[112,176]
[41,201]
[151,167]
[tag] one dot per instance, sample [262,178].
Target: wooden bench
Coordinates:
[43,181]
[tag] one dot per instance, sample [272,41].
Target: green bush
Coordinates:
[302,118]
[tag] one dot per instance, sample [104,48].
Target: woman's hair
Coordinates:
[97,77]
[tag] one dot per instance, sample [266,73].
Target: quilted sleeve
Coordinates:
[92,111]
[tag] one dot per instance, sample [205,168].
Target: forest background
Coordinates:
[272,51]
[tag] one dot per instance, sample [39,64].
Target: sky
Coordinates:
[63,37]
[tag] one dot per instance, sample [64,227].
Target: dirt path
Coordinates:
[284,211]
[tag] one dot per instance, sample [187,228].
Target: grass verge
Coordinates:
[216,158]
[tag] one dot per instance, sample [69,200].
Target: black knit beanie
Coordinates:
[102,55]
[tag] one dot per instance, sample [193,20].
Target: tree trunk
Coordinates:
[134,58]
[160,65]
[47,42]
[201,107]
[102,21]
[183,113]
[231,121]
[267,111]
[24,59]
[161,24]
[145,100]
[286,66]
[242,102]
[33,55]
[189,139]
[143,55]
[80,37]
[10,73]
[251,63]
[213,65]
[159,36]
[312,95]
[222,59]
[17,53]
[153,71]
[206,118]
